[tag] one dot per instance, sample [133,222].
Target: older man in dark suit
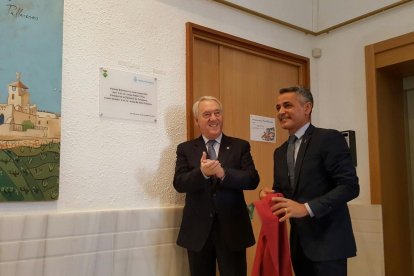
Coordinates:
[213,170]
[314,171]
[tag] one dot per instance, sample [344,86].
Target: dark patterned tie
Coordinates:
[210,150]
[291,159]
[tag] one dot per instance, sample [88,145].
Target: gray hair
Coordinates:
[205,98]
[305,93]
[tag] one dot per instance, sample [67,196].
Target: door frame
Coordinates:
[388,169]
[379,55]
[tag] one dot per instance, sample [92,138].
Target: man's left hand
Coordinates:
[286,208]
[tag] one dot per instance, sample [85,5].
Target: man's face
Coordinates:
[210,119]
[292,112]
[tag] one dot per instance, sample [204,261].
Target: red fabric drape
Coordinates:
[272,252]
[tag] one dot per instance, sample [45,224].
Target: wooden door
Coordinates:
[246,77]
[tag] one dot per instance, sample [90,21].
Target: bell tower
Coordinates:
[19,94]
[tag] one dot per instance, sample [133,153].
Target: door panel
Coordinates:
[250,85]
[206,80]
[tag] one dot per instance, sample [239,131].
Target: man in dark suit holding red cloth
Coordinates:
[213,170]
[321,182]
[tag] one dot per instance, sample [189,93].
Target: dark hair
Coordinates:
[305,93]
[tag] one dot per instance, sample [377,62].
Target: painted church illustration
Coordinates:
[21,120]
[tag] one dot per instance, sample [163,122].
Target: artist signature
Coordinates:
[18,12]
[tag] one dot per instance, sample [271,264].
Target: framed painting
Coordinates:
[30,99]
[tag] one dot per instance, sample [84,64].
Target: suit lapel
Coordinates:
[199,146]
[224,150]
[225,146]
[301,154]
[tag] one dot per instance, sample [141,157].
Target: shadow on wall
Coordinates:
[158,185]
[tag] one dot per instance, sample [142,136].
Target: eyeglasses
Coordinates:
[206,115]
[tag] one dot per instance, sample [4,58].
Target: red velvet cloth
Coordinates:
[272,252]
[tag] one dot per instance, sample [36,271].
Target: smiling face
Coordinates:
[209,119]
[293,111]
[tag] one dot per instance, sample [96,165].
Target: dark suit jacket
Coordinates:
[325,178]
[209,198]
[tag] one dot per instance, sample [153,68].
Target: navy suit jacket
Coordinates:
[325,178]
[209,199]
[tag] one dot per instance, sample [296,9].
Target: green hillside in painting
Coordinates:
[30,174]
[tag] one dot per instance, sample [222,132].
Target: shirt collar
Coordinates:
[218,139]
[302,131]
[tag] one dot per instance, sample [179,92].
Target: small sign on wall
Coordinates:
[262,129]
[127,95]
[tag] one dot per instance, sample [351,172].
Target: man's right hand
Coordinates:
[265,191]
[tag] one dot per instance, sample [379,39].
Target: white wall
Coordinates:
[109,163]
[314,15]
[296,12]
[341,78]
[126,165]
[332,12]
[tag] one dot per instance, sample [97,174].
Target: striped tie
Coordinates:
[210,150]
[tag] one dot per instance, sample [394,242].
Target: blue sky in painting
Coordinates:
[31,43]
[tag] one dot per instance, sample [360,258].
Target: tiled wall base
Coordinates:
[102,243]
[137,242]
[367,224]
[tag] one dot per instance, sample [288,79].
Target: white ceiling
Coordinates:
[313,15]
